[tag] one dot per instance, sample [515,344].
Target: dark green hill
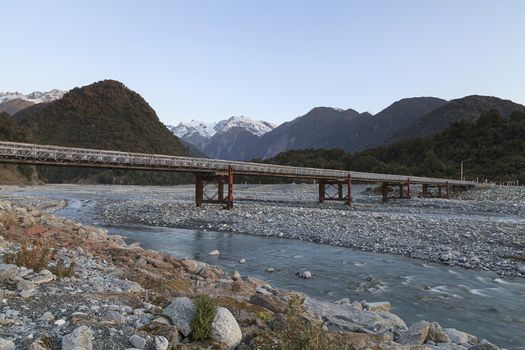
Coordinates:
[495,146]
[103,115]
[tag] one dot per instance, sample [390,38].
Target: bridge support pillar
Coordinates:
[441,189]
[338,193]
[404,190]
[204,181]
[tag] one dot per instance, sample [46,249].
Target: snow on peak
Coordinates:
[186,129]
[34,97]
[256,127]
[207,130]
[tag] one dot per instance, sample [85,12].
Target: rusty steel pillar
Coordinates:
[447,187]
[229,200]
[408,188]
[340,190]
[199,190]
[321,191]
[349,194]
[384,191]
[424,190]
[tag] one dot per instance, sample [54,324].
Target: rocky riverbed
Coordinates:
[481,229]
[122,296]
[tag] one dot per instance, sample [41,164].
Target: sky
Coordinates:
[267,59]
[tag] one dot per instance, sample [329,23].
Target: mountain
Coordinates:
[494,144]
[103,115]
[468,108]
[12,102]
[226,139]
[322,127]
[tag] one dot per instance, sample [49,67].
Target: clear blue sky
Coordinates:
[271,60]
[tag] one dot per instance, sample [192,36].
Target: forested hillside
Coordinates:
[494,145]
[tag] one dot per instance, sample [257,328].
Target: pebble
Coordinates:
[137,341]
[214,252]
[161,343]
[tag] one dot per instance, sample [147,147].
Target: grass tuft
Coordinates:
[205,310]
[36,258]
[61,271]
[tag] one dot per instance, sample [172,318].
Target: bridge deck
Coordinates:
[25,153]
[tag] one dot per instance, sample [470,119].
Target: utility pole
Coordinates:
[463,161]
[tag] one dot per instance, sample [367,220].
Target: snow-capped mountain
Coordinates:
[208,130]
[34,97]
[207,136]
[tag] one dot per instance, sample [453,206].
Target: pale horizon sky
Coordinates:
[272,60]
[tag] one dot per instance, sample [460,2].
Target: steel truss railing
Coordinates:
[25,153]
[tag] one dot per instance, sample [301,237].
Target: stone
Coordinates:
[60,322]
[416,334]
[484,346]
[236,276]
[270,302]
[161,343]
[114,316]
[137,341]
[521,269]
[28,293]
[379,306]
[214,252]
[80,339]
[459,337]
[44,276]
[181,313]
[305,274]
[47,316]
[25,285]
[437,334]
[6,344]
[38,345]
[7,271]
[225,329]
[242,261]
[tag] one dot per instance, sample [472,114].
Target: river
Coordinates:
[481,303]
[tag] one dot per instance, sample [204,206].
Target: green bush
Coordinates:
[205,309]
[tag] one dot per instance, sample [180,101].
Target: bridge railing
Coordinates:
[45,154]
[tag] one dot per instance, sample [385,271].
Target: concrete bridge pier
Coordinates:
[218,181]
[340,194]
[404,190]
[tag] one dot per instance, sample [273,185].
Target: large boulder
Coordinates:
[7,271]
[416,334]
[6,344]
[459,337]
[181,313]
[80,339]
[437,334]
[225,329]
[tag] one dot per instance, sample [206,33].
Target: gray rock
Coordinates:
[214,252]
[437,334]
[459,337]
[80,339]
[47,316]
[161,343]
[181,313]
[44,276]
[137,341]
[379,306]
[225,329]
[484,346]
[521,269]
[6,344]
[114,316]
[305,274]
[38,345]
[7,271]
[416,334]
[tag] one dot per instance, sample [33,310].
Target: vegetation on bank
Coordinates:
[493,146]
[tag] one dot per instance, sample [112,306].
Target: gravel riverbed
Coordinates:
[483,229]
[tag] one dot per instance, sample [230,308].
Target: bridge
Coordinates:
[220,173]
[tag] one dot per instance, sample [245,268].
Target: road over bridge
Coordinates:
[221,172]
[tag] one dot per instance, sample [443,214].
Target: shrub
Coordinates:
[299,333]
[61,271]
[205,309]
[36,258]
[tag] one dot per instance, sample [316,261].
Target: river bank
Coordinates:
[118,266]
[481,229]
